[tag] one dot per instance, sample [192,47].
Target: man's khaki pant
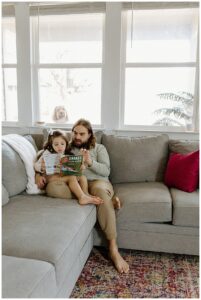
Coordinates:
[105,211]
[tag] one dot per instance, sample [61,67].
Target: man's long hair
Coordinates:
[92,139]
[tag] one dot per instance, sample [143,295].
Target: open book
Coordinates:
[63,164]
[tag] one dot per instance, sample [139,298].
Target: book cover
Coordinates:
[63,164]
[71,165]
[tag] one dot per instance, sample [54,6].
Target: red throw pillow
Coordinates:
[183,171]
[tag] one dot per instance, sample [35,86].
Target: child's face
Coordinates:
[59,145]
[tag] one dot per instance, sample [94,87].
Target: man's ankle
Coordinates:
[113,245]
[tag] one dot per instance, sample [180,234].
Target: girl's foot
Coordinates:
[86,199]
[116,202]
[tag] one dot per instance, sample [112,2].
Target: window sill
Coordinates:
[173,134]
[44,126]
[16,127]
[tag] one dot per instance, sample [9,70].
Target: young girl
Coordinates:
[57,143]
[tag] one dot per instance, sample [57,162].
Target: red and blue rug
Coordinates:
[151,275]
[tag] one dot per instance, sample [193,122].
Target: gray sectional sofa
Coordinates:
[46,241]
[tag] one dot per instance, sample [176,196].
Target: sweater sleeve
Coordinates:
[100,164]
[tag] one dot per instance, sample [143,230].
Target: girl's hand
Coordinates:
[40,181]
[82,167]
[43,168]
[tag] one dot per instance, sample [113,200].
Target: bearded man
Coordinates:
[97,170]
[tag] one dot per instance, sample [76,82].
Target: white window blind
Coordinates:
[160,64]
[56,8]
[68,60]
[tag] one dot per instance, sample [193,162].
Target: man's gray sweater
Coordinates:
[100,168]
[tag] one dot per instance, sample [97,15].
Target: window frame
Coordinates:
[8,11]
[37,65]
[23,68]
[8,66]
[125,65]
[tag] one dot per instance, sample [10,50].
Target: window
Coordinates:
[160,67]
[122,65]
[9,65]
[68,62]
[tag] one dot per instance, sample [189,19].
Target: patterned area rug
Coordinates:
[151,275]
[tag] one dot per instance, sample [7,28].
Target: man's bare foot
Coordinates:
[87,199]
[120,264]
[116,202]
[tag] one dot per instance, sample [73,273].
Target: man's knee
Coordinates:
[101,189]
[100,192]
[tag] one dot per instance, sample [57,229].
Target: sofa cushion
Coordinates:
[183,171]
[14,176]
[136,159]
[47,229]
[27,278]
[183,146]
[143,202]
[5,196]
[160,237]
[186,208]
[38,139]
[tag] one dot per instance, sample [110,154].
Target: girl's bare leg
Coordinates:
[78,192]
[84,184]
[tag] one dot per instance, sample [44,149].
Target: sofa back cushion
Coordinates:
[14,176]
[137,159]
[183,146]
[38,139]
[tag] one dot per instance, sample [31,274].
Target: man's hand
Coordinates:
[83,167]
[86,157]
[40,181]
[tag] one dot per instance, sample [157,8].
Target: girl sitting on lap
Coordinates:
[78,185]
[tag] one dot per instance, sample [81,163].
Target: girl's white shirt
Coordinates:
[37,164]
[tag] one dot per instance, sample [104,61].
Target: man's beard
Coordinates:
[83,145]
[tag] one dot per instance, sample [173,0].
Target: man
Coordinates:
[97,171]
